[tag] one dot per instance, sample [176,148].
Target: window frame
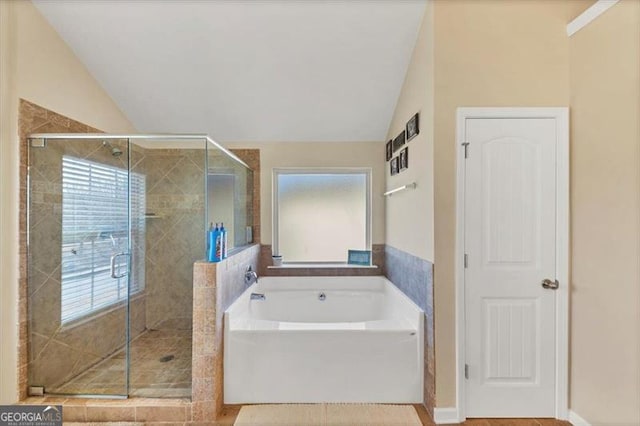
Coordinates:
[277,171]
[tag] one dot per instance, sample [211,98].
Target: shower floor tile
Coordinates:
[160,368]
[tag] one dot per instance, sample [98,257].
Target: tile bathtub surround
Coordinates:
[215,287]
[414,276]
[378,259]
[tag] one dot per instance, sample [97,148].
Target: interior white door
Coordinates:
[510,244]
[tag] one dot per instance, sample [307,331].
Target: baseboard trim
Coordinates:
[576,420]
[443,416]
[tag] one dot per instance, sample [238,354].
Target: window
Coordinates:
[95,217]
[320,214]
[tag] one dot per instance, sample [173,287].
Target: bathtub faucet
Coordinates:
[258,296]
[250,276]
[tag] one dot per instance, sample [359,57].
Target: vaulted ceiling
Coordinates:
[247,70]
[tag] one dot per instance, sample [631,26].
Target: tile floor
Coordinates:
[160,368]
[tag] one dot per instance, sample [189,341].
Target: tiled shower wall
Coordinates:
[414,276]
[252,158]
[174,232]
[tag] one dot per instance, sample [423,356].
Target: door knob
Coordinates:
[550,285]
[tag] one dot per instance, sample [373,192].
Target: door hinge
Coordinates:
[466,149]
[466,371]
[466,260]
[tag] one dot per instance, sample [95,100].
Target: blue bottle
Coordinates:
[218,244]
[224,240]
[214,244]
[210,243]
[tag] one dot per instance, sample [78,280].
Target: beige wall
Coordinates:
[319,154]
[605,204]
[409,215]
[51,76]
[576,7]
[487,53]
[9,209]
[37,66]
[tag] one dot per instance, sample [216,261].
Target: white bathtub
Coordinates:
[363,343]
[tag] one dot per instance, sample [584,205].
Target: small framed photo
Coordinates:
[399,141]
[404,159]
[413,127]
[359,257]
[395,166]
[389,150]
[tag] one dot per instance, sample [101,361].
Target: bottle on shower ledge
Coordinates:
[210,245]
[214,240]
[219,248]
[223,236]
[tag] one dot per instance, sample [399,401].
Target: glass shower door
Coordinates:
[80,244]
[169,216]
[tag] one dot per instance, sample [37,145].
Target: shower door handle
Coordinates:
[113,265]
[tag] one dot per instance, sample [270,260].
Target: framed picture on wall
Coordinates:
[395,166]
[413,126]
[398,141]
[389,150]
[404,159]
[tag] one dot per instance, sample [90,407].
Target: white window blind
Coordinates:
[95,217]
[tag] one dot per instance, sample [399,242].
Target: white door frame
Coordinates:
[561,115]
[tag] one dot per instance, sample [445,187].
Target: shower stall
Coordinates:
[115,223]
